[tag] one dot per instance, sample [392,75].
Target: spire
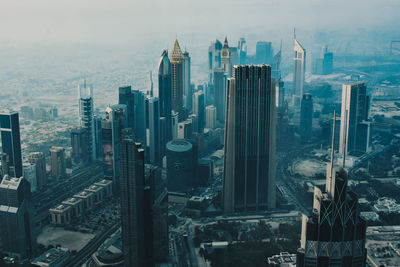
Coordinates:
[176,54]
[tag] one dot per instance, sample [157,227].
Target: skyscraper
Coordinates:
[220,93]
[153,129]
[57,161]
[164,92]
[306,115]
[211,116]
[355,106]
[185,129]
[132,200]
[97,137]
[29,172]
[187,88]
[226,59]
[16,218]
[264,53]
[214,57]
[4,161]
[79,146]
[242,49]
[139,99]
[11,141]
[299,68]
[85,94]
[249,164]
[177,80]
[198,109]
[39,160]
[125,97]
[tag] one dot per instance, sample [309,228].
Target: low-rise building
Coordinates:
[76,204]
[98,192]
[87,199]
[60,215]
[55,257]
[107,184]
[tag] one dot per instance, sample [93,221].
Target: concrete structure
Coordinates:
[61,214]
[164,92]
[87,199]
[299,68]
[11,141]
[110,252]
[249,163]
[57,161]
[54,257]
[76,205]
[85,95]
[211,117]
[39,160]
[29,173]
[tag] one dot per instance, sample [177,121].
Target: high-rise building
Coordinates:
[249,164]
[11,141]
[198,109]
[79,146]
[214,58]
[125,97]
[39,160]
[4,161]
[324,64]
[355,106]
[132,200]
[29,173]
[16,218]
[175,121]
[299,71]
[280,94]
[211,117]
[164,92]
[185,129]
[153,129]
[163,136]
[195,124]
[97,137]
[264,53]
[220,93]
[306,115]
[187,88]
[140,115]
[57,161]
[242,48]
[86,114]
[177,80]
[226,59]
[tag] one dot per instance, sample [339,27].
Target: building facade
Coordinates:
[11,141]
[86,115]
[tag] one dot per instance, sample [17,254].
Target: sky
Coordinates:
[137,22]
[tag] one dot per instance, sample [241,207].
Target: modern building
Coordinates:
[324,64]
[264,53]
[280,94]
[132,200]
[175,122]
[79,146]
[334,234]
[299,71]
[85,95]
[11,141]
[226,64]
[16,218]
[97,137]
[87,199]
[177,80]
[181,165]
[185,129]
[39,160]
[249,162]
[140,115]
[54,257]
[187,88]
[164,92]
[211,117]
[214,58]
[61,214]
[125,97]
[219,83]
[4,161]
[153,130]
[76,205]
[242,51]
[57,161]
[198,109]
[306,116]
[355,106]
[29,173]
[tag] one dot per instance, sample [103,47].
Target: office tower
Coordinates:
[306,115]
[85,93]
[112,125]
[97,137]
[299,68]
[324,64]
[187,89]
[185,129]
[16,218]
[163,136]
[198,109]
[214,58]
[264,53]
[355,106]
[57,161]
[242,48]
[195,123]
[153,129]
[164,92]
[79,146]
[211,117]
[177,80]
[181,165]
[249,164]
[11,141]
[39,160]
[226,59]
[125,97]
[132,200]
[220,93]
[140,115]
[280,94]
[4,161]
[29,173]
[363,140]
[175,121]
[234,55]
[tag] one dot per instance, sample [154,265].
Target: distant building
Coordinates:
[153,130]
[39,160]
[242,51]
[54,257]
[175,121]
[187,88]
[211,116]
[198,109]
[164,92]
[185,129]
[97,137]
[79,146]
[4,161]
[126,97]
[306,116]
[29,173]
[57,160]
[299,68]
[264,53]
[177,80]
[61,214]
[11,141]
[76,205]
[226,64]
[214,58]
[85,93]
[219,83]
[249,163]
[324,64]
[16,218]
[283,259]
[140,115]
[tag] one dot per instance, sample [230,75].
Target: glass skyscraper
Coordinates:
[11,141]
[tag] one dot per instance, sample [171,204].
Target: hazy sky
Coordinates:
[140,21]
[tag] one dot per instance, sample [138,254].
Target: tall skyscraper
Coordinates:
[264,53]
[164,92]
[299,71]
[214,58]
[175,121]
[187,88]
[97,137]
[211,117]
[16,218]
[220,93]
[132,200]
[324,64]
[11,141]
[79,146]
[242,49]
[185,129]
[249,164]
[153,129]
[226,59]
[306,115]
[125,97]
[198,109]
[85,94]
[140,115]
[177,80]
[57,161]
[280,94]
[355,106]
[39,160]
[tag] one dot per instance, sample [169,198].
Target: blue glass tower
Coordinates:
[11,140]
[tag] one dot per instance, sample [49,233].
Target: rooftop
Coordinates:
[53,255]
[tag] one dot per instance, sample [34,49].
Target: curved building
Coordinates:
[181,165]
